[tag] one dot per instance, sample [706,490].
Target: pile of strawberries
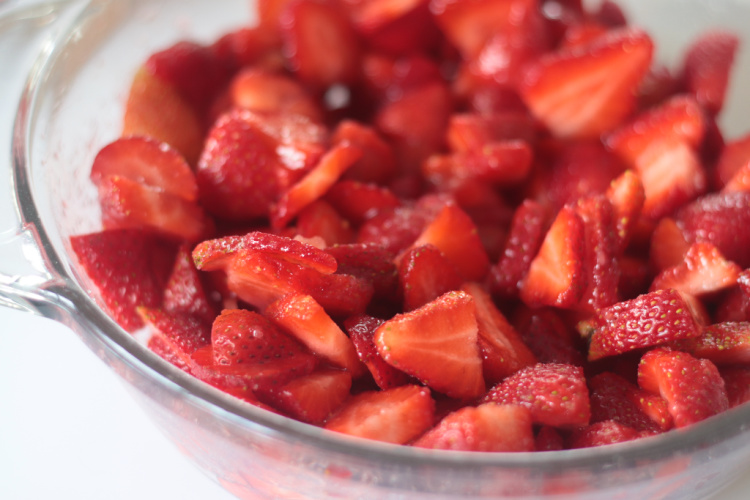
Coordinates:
[490,225]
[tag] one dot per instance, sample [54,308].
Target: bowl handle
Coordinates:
[28,30]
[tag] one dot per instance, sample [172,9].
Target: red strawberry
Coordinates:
[556,276]
[692,387]
[315,184]
[503,350]
[586,91]
[259,45]
[361,330]
[602,433]
[651,319]
[377,164]
[734,156]
[548,439]
[707,68]
[437,344]
[547,336]
[185,292]
[129,268]
[614,398]
[487,427]
[266,91]
[155,109]
[320,219]
[737,382]
[310,398]
[627,197]
[556,394]
[668,245]
[308,322]
[524,239]
[319,61]
[397,415]
[148,162]
[472,131]
[424,275]
[358,202]
[714,219]
[370,263]
[179,334]
[722,343]
[704,271]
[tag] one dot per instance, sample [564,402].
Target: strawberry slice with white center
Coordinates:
[424,275]
[627,196]
[556,276]
[397,415]
[437,344]
[487,427]
[703,271]
[361,329]
[585,91]
[693,387]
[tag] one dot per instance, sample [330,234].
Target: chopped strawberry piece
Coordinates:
[614,398]
[310,398]
[627,196]
[259,45]
[377,164]
[148,162]
[556,394]
[657,86]
[722,343]
[714,219]
[734,156]
[309,323]
[501,344]
[692,387]
[180,334]
[707,68]
[129,267]
[602,433]
[358,202]
[315,184]
[322,220]
[320,44]
[703,271]
[487,427]
[155,109]
[668,245]
[472,131]
[548,337]
[361,330]
[424,275]
[556,276]
[128,204]
[185,292]
[265,91]
[648,320]
[437,344]
[397,415]
[586,91]
[371,263]
[737,382]
[161,348]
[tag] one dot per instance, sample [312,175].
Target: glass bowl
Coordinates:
[85,54]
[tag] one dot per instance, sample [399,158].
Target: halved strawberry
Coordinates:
[586,91]
[310,398]
[556,276]
[487,427]
[155,109]
[692,387]
[424,275]
[129,267]
[614,398]
[185,292]
[265,91]
[737,382]
[361,330]
[503,350]
[377,164]
[309,323]
[320,219]
[148,162]
[397,415]
[703,271]
[707,68]
[650,319]
[315,184]
[437,344]
[320,44]
[358,202]
[179,334]
[556,394]
[602,433]
[668,245]
[722,343]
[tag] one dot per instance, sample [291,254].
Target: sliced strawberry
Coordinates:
[668,245]
[361,330]
[548,439]
[556,276]
[165,351]
[265,91]
[129,267]
[586,91]
[185,292]
[614,398]
[740,181]
[310,398]
[371,263]
[503,350]
[398,228]
[308,322]
[397,415]
[703,271]
[556,394]
[472,131]
[737,382]
[180,334]
[320,219]
[377,164]
[707,68]
[487,427]
[148,162]
[648,320]
[437,344]
[155,109]
[714,219]
[635,275]
[734,156]
[259,45]
[455,235]
[657,86]
[215,254]
[358,202]
[692,387]
[524,239]
[627,196]
[315,184]
[129,204]
[385,77]
[548,337]
[602,433]
[320,44]
[424,275]
[722,343]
